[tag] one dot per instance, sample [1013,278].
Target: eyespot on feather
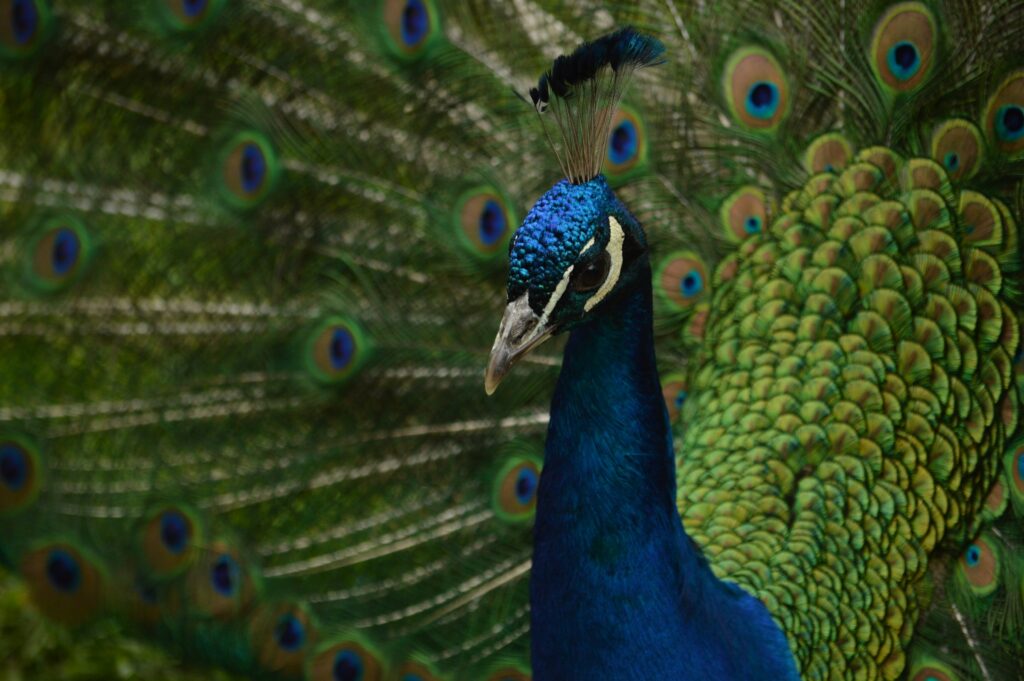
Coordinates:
[20,474]
[60,252]
[931,670]
[24,25]
[1014,464]
[903,46]
[483,222]
[682,279]
[335,350]
[282,635]
[627,144]
[514,496]
[978,566]
[828,153]
[756,90]
[249,169]
[65,581]
[411,26]
[957,146]
[414,670]
[219,583]
[996,501]
[347,658]
[188,15]
[170,538]
[674,388]
[1004,115]
[744,213]
[980,220]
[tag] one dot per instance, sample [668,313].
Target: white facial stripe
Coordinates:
[586,246]
[615,240]
[555,297]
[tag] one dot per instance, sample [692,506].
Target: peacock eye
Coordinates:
[591,275]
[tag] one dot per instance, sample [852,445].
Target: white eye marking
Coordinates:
[586,246]
[616,238]
[556,295]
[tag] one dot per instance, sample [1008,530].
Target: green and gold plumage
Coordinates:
[251,255]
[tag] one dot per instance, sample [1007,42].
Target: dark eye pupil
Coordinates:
[762,95]
[593,274]
[223,580]
[906,55]
[1013,119]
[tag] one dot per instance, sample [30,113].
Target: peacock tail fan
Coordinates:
[251,254]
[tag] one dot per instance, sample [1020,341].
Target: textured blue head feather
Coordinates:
[554,232]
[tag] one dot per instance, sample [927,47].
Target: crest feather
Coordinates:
[582,90]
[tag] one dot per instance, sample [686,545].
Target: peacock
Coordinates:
[761,280]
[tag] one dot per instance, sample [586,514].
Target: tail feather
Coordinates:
[251,254]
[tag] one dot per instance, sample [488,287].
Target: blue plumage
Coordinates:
[1010,123]
[415,22]
[903,60]
[289,633]
[624,143]
[624,48]
[763,100]
[63,571]
[13,467]
[618,590]
[224,576]
[551,236]
[194,8]
[174,532]
[24,20]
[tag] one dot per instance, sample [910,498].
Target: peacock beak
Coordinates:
[521,330]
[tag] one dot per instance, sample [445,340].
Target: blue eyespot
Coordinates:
[492,223]
[66,248]
[335,350]
[691,284]
[624,143]
[224,575]
[412,677]
[1020,465]
[415,22]
[13,467]
[174,531]
[973,555]
[289,633]
[515,489]
[24,20]
[526,485]
[254,168]
[347,667]
[681,399]
[951,160]
[63,571]
[1010,122]
[752,225]
[762,99]
[904,60]
[194,8]
[343,346]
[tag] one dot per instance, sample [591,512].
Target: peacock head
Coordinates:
[577,248]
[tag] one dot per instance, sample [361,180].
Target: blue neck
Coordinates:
[618,590]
